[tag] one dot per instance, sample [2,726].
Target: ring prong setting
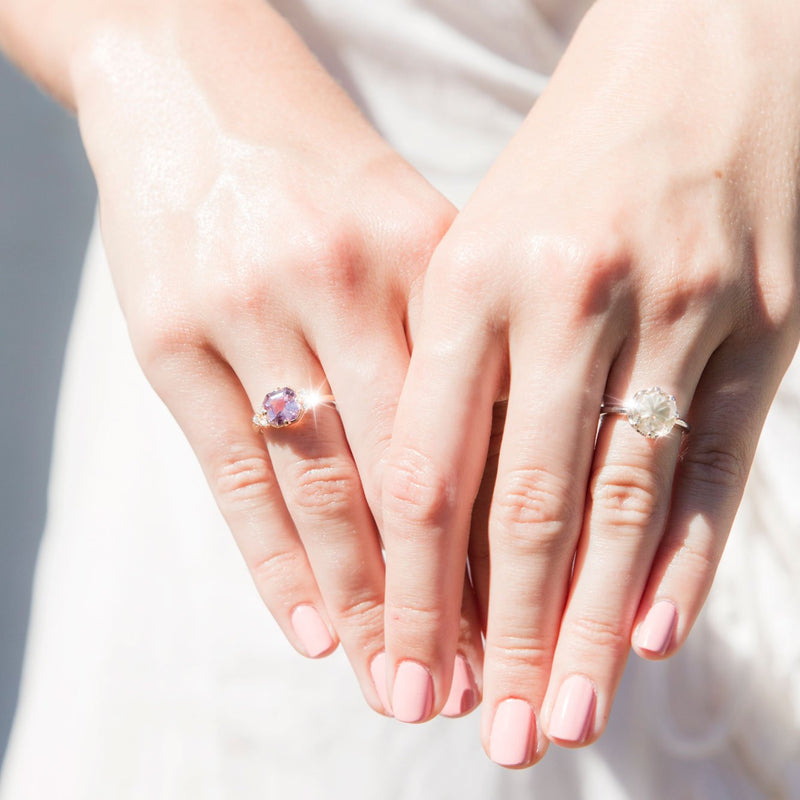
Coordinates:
[652,412]
[281,407]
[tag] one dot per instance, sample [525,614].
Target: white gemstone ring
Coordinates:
[283,407]
[652,412]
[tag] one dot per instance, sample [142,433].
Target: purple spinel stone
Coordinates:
[283,407]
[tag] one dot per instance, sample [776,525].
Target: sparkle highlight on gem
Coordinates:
[653,412]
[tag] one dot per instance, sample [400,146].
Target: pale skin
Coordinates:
[641,229]
[260,234]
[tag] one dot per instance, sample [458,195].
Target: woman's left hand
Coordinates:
[641,230]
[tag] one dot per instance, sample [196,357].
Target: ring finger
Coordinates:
[239,472]
[626,510]
[322,492]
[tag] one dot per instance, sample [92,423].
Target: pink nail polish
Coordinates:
[312,632]
[658,628]
[573,710]
[412,697]
[512,738]
[378,671]
[463,695]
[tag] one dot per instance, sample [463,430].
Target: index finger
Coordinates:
[431,479]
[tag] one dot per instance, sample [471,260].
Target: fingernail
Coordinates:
[573,710]
[412,697]
[378,671]
[511,739]
[312,632]
[655,633]
[463,695]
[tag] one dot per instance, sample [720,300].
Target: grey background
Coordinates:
[47,200]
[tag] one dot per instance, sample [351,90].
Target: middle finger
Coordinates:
[534,525]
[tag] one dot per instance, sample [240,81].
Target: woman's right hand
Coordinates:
[261,234]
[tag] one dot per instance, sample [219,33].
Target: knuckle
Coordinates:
[624,497]
[597,635]
[410,615]
[594,270]
[532,509]
[516,653]
[324,486]
[277,568]
[242,479]
[327,255]
[237,291]
[362,614]
[415,489]
[780,303]
[696,562]
[710,464]
[161,338]
[671,299]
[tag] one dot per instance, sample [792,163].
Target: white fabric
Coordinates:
[153,671]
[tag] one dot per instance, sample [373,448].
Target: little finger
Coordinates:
[728,411]
[213,410]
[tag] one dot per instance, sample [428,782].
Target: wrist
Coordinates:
[44,37]
[770,24]
[121,44]
[211,72]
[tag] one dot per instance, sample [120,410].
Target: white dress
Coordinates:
[154,672]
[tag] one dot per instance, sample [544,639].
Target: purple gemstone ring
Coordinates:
[284,406]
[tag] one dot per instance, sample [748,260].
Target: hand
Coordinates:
[261,234]
[640,230]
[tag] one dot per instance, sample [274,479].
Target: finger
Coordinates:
[366,374]
[464,693]
[629,494]
[366,378]
[476,583]
[432,474]
[479,556]
[214,412]
[322,492]
[728,411]
[533,528]
[466,684]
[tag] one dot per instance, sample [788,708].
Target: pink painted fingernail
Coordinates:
[412,697]
[512,738]
[312,632]
[378,671]
[655,633]
[463,695]
[573,710]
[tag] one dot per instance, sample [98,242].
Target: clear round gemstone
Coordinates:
[282,407]
[653,412]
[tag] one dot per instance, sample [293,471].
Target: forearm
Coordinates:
[54,41]
[42,36]
[772,26]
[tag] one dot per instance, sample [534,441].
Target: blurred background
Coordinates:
[47,198]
